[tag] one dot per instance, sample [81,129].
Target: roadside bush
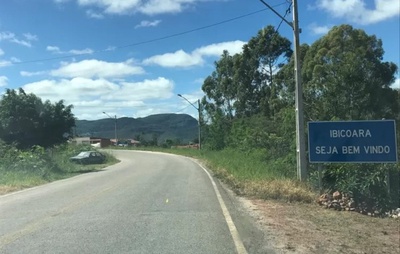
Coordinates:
[366,183]
[30,167]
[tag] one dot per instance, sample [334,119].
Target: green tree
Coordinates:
[262,56]
[26,121]
[243,85]
[220,87]
[345,77]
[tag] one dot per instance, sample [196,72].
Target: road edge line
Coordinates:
[228,219]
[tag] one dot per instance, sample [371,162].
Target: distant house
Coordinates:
[134,142]
[97,142]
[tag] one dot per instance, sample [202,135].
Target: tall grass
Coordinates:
[26,168]
[251,173]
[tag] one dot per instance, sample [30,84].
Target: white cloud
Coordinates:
[86,51]
[97,69]
[356,10]
[4,63]
[3,81]
[57,50]
[147,23]
[216,49]
[53,49]
[71,89]
[177,59]
[160,88]
[1,52]
[396,84]
[30,37]
[94,15]
[11,37]
[15,59]
[182,59]
[149,7]
[319,30]
[91,97]
[30,74]
[110,48]
[153,7]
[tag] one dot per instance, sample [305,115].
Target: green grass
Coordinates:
[24,169]
[250,173]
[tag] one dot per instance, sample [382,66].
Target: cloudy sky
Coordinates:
[132,57]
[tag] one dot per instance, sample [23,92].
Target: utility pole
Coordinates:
[115,127]
[300,139]
[198,108]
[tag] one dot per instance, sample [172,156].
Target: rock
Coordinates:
[337,195]
[352,209]
[323,198]
[347,209]
[352,204]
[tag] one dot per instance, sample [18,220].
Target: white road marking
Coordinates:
[231,225]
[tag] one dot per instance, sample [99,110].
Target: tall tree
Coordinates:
[220,87]
[345,77]
[27,121]
[262,56]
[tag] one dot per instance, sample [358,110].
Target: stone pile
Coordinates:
[343,202]
[395,213]
[337,201]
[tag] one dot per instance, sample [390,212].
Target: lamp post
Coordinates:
[198,108]
[115,129]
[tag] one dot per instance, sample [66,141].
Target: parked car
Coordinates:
[89,157]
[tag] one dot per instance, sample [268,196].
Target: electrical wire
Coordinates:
[182,109]
[150,40]
[286,13]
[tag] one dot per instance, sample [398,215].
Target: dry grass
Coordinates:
[4,189]
[282,189]
[307,228]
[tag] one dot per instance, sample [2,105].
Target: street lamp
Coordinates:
[198,108]
[115,129]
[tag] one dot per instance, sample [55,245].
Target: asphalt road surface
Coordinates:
[147,203]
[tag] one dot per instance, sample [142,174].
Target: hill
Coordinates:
[161,126]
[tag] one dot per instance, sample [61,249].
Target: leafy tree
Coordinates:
[26,121]
[345,77]
[285,81]
[262,56]
[219,87]
[243,85]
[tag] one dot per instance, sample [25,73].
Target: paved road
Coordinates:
[147,203]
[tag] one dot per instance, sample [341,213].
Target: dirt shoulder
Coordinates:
[308,228]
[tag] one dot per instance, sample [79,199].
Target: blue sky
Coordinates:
[104,55]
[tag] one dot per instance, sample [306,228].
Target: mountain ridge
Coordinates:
[180,127]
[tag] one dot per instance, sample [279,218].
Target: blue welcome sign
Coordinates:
[352,141]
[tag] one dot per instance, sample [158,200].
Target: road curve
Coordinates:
[147,203]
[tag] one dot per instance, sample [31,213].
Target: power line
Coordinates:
[279,15]
[182,109]
[284,16]
[150,40]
